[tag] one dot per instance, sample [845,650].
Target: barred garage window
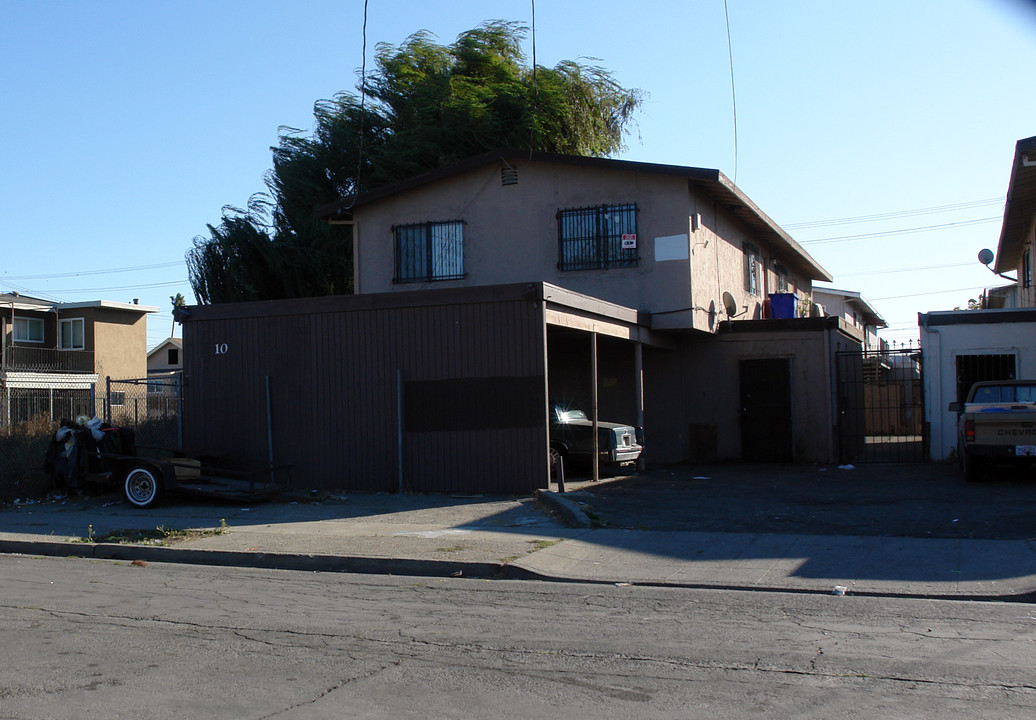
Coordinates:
[429,251]
[597,238]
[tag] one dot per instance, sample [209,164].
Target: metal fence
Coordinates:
[32,411]
[151,406]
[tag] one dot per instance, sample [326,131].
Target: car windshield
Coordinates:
[1006,393]
[569,414]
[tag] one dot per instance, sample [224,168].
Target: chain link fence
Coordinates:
[32,410]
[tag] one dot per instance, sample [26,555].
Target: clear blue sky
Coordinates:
[128,125]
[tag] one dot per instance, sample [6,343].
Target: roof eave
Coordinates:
[1020,207]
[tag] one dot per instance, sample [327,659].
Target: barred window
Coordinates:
[752,261]
[429,251]
[597,238]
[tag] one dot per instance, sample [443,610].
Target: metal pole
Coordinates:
[269,426]
[638,391]
[179,410]
[399,426]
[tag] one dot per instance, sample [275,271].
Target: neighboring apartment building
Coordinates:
[1014,251]
[54,355]
[998,341]
[854,309]
[164,363]
[667,240]
[486,289]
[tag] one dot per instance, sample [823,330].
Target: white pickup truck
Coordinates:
[996,424]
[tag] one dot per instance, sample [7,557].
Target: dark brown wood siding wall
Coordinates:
[473,376]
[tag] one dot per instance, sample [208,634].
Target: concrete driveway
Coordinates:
[920,500]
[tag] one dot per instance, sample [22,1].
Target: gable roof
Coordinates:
[174,342]
[1020,208]
[711,183]
[855,300]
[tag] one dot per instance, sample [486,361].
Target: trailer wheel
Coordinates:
[143,489]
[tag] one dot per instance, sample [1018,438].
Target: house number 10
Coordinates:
[221,348]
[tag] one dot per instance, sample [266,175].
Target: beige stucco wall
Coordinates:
[693,394]
[118,340]
[511,235]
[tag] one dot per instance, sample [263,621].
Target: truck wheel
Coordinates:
[974,469]
[143,489]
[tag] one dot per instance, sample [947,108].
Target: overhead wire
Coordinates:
[733,96]
[77,273]
[895,214]
[902,231]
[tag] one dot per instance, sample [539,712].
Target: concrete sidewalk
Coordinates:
[519,537]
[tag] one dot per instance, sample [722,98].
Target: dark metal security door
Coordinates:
[881,406]
[766,410]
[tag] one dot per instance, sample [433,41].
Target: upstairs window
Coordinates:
[172,356]
[597,238]
[752,265]
[429,251]
[782,277]
[28,330]
[72,334]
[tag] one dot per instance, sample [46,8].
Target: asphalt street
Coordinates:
[110,639]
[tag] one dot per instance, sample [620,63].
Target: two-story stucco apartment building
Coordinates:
[53,355]
[658,295]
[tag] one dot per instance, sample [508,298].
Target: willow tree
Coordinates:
[424,105]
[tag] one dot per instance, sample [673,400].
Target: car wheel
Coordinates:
[143,489]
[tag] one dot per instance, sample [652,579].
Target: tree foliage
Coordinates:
[425,105]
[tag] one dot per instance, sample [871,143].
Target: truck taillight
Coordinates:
[969,431]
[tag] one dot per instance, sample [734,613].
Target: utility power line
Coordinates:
[917,268]
[896,214]
[905,231]
[133,268]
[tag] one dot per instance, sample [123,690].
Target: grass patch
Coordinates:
[543,544]
[452,549]
[595,519]
[161,535]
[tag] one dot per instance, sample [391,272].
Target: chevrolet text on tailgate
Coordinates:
[996,424]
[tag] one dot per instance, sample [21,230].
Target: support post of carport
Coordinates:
[638,390]
[593,405]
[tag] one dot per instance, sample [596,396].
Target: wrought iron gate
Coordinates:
[881,406]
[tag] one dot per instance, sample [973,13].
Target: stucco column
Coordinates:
[593,405]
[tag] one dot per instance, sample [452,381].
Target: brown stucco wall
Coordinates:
[118,340]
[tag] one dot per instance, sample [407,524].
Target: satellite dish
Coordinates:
[985,256]
[729,304]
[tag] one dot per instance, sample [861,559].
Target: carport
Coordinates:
[423,391]
[595,357]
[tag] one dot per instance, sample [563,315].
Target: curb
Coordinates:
[406,567]
[569,511]
[266,561]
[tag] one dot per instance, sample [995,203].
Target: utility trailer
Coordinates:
[94,454]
